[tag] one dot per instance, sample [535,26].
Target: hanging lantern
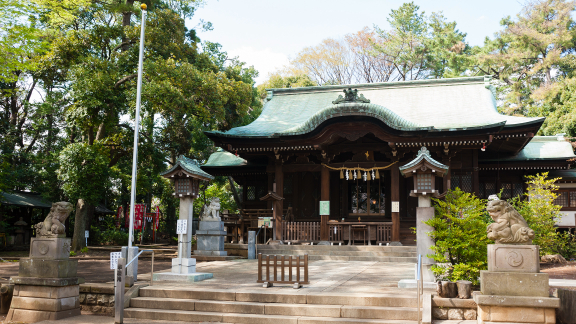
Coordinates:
[341,175]
[377,174]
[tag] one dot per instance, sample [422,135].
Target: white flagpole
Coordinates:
[136,128]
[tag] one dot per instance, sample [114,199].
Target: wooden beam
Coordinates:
[279,205]
[324,196]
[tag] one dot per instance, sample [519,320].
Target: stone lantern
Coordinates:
[186,175]
[424,169]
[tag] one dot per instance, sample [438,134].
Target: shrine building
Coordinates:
[347,144]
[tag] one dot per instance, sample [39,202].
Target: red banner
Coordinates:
[139,210]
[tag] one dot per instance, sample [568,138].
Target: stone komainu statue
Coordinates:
[509,226]
[53,225]
[212,211]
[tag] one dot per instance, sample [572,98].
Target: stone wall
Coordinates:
[97,298]
[453,309]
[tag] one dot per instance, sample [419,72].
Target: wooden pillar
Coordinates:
[324,196]
[279,205]
[395,197]
[447,176]
[475,177]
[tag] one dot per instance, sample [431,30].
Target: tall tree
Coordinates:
[530,53]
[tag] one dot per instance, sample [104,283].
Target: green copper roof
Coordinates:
[544,148]
[189,165]
[24,199]
[423,154]
[433,105]
[221,158]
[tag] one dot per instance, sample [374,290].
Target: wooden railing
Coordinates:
[273,263]
[336,233]
[384,233]
[301,231]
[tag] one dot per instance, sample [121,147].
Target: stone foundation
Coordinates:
[46,287]
[97,298]
[453,309]
[516,309]
[210,239]
[33,303]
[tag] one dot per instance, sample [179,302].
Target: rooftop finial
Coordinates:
[350,96]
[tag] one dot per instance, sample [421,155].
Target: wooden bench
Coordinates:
[273,263]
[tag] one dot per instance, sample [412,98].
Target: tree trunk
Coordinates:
[234,192]
[78,239]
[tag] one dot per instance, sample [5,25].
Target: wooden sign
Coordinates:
[324,207]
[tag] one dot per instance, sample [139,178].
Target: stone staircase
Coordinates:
[274,306]
[345,252]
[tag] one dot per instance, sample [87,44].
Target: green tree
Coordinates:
[530,53]
[404,44]
[459,235]
[539,210]
[278,80]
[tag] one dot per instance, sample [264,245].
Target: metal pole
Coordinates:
[136,129]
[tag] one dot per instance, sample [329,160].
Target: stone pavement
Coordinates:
[328,276]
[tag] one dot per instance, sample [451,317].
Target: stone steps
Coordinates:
[275,307]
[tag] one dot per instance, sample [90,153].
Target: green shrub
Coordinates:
[84,249]
[459,223]
[539,211]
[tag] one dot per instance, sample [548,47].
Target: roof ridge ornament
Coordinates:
[350,96]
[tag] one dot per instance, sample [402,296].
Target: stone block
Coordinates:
[82,298]
[107,289]
[517,314]
[440,313]
[513,258]
[50,248]
[55,282]
[455,314]
[102,300]
[470,314]
[39,268]
[182,277]
[33,316]
[184,265]
[517,301]
[210,242]
[211,226]
[453,302]
[514,284]
[211,253]
[91,299]
[45,304]
[111,299]
[48,291]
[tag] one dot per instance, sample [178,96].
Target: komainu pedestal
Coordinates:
[47,287]
[513,290]
[210,238]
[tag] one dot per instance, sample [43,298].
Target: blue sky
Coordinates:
[267,33]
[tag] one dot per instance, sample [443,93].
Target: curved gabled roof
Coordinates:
[432,105]
[190,166]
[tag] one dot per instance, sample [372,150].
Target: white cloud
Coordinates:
[264,61]
[481,18]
